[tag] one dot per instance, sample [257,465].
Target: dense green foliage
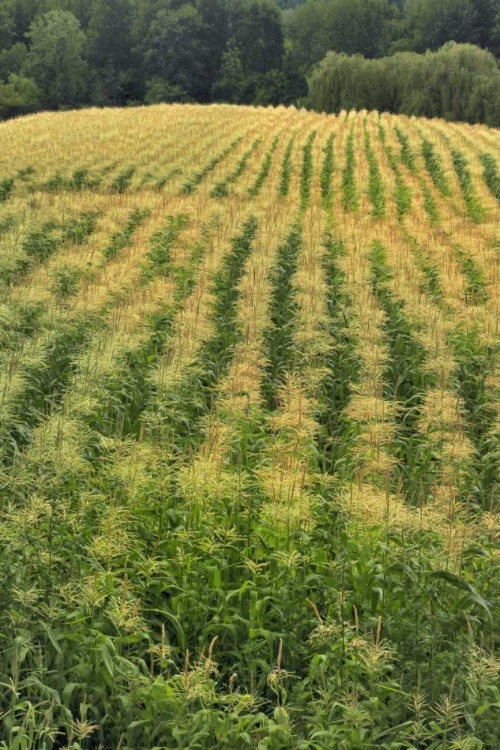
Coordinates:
[459,82]
[64,53]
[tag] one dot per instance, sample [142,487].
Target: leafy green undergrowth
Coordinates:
[402,197]
[25,174]
[81,179]
[66,282]
[19,322]
[44,383]
[159,256]
[6,224]
[279,348]
[160,183]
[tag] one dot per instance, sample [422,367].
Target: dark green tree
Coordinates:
[258,34]
[214,34]
[6,27]
[23,13]
[55,60]
[309,33]
[494,42]
[174,51]
[486,11]
[353,26]
[286,85]
[361,27]
[159,91]
[12,60]
[19,96]
[459,82]
[230,86]
[432,23]
[81,9]
[114,78]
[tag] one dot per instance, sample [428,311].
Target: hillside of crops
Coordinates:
[249,431]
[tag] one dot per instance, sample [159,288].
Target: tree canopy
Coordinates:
[124,52]
[459,82]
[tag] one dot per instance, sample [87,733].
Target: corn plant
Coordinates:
[286,169]
[349,193]
[264,170]
[476,292]
[221,188]
[121,182]
[435,168]
[490,174]
[120,240]
[191,184]
[307,171]
[248,443]
[430,204]
[406,155]
[278,337]
[327,172]
[402,193]
[376,190]
[405,380]
[473,206]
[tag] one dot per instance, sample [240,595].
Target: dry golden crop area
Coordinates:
[249,430]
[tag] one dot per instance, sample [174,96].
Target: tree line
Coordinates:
[57,54]
[459,82]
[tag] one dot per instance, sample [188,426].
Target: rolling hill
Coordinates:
[249,430]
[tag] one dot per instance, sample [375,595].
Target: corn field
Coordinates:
[249,431]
